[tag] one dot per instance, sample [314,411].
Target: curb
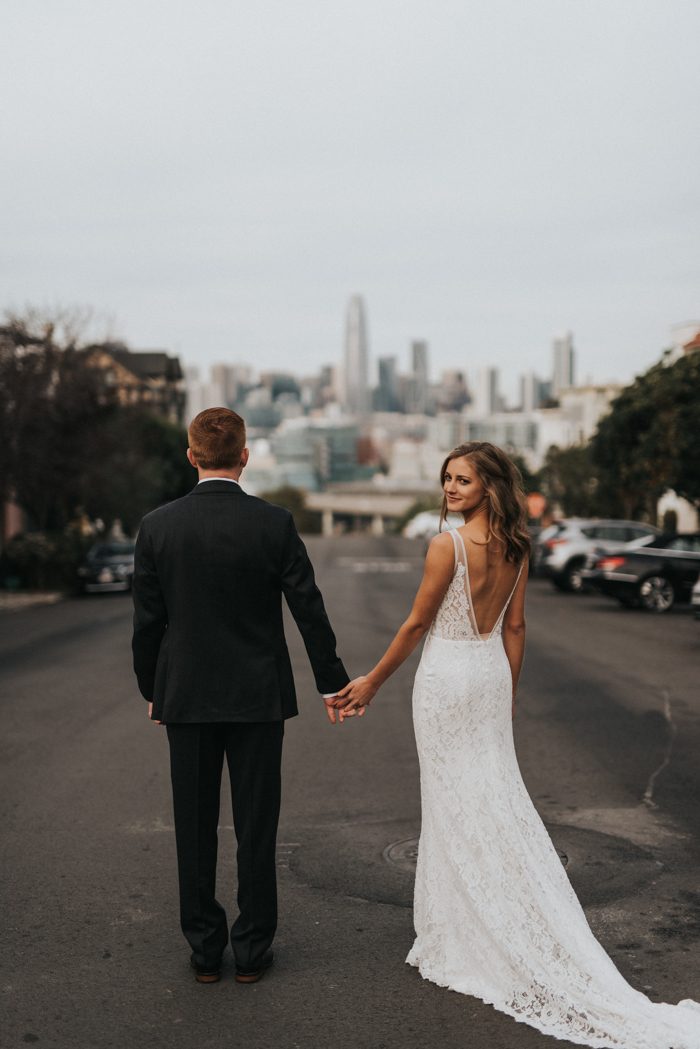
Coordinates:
[17,602]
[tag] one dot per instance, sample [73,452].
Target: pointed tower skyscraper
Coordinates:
[356,364]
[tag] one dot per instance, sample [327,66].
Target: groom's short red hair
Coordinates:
[217,439]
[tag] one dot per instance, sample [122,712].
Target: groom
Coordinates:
[211,660]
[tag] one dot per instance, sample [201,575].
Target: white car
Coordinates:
[423,526]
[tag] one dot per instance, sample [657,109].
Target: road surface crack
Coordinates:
[648,797]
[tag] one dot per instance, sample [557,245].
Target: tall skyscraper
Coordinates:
[356,365]
[486,398]
[531,393]
[387,393]
[563,364]
[419,360]
[230,379]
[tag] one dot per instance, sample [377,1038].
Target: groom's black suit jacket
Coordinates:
[208,644]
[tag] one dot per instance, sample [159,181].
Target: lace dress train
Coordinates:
[495,914]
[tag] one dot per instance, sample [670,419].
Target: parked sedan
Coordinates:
[695,598]
[562,549]
[654,577]
[108,566]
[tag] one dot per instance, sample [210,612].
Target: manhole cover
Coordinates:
[404,854]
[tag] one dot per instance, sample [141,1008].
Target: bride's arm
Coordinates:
[439,568]
[514,631]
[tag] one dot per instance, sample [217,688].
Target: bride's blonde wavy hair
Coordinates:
[507,507]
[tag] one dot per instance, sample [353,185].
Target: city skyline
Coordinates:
[360,375]
[476,390]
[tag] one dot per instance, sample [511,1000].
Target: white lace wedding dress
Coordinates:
[495,914]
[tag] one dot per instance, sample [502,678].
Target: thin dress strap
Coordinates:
[456,536]
[461,550]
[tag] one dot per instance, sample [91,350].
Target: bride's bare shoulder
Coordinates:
[441,541]
[441,550]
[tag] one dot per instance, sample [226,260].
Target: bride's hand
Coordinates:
[355,697]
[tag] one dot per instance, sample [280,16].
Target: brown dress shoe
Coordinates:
[253,975]
[205,975]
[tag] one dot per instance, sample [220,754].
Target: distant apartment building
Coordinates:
[201,395]
[486,399]
[414,463]
[533,392]
[563,363]
[317,391]
[513,431]
[451,394]
[584,407]
[280,383]
[312,453]
[232,380]
[685,338]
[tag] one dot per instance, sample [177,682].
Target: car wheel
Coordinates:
[656,593]
[571,578]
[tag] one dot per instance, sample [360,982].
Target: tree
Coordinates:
[66,444]
[568,478]
[531,481]
[137,462]
[650,440]
[294,500]
[52,405]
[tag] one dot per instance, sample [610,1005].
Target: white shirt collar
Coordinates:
[229,479]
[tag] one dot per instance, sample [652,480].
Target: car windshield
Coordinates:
[643,540]
[112,550]
[674,542]
[687,543]
[551,530]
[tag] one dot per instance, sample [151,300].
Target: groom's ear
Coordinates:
[245,454]
[191,459]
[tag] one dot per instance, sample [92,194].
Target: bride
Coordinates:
[495,914]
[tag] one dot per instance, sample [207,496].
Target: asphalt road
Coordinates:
[607,733]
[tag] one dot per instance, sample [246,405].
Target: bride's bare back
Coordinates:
[490,578]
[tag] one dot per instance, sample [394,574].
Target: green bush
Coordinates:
[294,500]
[44,560]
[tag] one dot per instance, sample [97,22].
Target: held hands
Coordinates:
[355,697]
[336,710]
[351,700]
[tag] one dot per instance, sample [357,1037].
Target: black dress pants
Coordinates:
[254,755]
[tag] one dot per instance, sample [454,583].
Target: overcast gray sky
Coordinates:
[221,176]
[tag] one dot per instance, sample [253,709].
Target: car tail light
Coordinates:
[609,564]
[551,543]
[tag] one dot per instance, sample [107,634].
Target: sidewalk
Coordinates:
[16,600]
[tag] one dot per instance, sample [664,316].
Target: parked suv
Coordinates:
[562,549]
